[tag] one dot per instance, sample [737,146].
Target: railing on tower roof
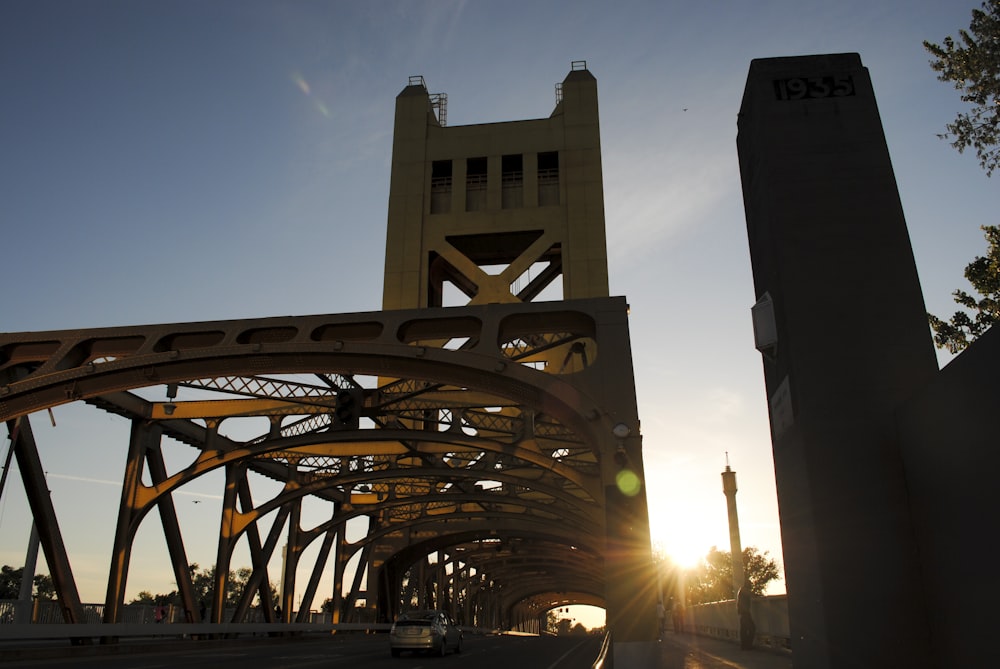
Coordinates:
[573,65]
[439,101]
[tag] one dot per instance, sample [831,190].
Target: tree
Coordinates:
[551,622]
[712,580]
[203,584]
[972,65]
[984,275]
[10,584]
[44,587]
[144,597]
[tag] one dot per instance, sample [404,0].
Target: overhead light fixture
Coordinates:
[170,407]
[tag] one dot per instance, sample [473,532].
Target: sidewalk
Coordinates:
[687,651]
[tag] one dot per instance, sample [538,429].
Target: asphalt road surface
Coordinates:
[372,652]
[341,651]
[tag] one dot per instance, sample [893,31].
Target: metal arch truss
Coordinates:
[483,460]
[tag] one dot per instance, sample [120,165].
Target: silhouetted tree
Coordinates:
[203,584]
[10,584]
[972,64]
[551,622]
[712,580]
[144,597]
[984,275]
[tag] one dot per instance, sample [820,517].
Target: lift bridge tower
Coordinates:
[483,426]
[513,212]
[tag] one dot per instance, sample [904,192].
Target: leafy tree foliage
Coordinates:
[203,584]
[712,580]
[972,64]
[10,584]
[551,622]
[984,275]
[145,597]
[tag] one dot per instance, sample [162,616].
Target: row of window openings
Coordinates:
[511,182]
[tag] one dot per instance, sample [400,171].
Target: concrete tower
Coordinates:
[496,212]
[841,322]
[736,549]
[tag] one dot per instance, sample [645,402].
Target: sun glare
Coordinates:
[681,555]
[684,540]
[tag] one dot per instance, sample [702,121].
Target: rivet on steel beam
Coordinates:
[255,347]
[89,368]
[593,414]
[173,354]
[420,351]
[338,345]
[500,366]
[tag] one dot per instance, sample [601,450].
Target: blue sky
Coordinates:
[184,161]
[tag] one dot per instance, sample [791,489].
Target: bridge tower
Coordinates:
[513,212]
[495,212]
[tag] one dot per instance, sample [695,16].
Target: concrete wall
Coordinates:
[950,433]
[719,620]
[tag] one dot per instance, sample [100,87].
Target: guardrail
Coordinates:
[140,622]
[604,660]
[48,612]
[32,632]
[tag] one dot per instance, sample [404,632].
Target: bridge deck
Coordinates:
[687,651]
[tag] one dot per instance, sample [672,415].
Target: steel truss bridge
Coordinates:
[501,439]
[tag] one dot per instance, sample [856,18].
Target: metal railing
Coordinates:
[604,658]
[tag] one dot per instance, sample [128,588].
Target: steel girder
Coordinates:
[486,422]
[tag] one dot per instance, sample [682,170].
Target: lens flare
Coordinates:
[628,482]
[302,84]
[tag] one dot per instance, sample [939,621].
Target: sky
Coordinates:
[182,161]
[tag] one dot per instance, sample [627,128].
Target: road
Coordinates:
[372,652]
[342,651]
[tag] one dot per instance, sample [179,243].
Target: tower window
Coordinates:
[475,184]
[548,178]
[440,186]
[512,181]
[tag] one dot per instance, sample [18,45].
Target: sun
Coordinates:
[684,539]
[681,555]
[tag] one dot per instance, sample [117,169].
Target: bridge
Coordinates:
[492,451]
[489,452]
[471,452]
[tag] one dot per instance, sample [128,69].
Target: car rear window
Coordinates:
[416,618]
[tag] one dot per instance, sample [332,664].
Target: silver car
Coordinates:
[432,631]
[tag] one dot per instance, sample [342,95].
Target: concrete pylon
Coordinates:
[842,326]
[729,488]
